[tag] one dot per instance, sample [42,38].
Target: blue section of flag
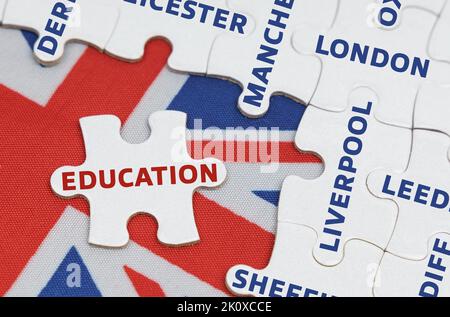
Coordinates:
[215,102]
[62,282]
[30,37]
[271,196]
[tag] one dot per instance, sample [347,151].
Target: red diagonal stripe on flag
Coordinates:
[36,140]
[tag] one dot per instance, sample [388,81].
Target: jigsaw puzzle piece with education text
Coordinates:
[264,62]
[293,270]
[338,205]
[190,26]
[394,63]
[428,277]
[59,22]
[157,177]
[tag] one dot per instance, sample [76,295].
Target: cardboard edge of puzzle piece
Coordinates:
[157,177]
[428,277]
[421,193]
[57,24]
[293,272]
[261,65]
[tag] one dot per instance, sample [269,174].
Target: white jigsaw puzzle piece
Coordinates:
[281,71]
[439,47]
[387,13]
[138,186]
[293,271]
[354,50]
[338,205]
[59,22]
[432,111]
[421,192]
[191,27]
[424,278]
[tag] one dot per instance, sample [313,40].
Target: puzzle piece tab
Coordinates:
[264,63]
[428,277]
[338,205]
[190,26]
[422,193]
[157,177]
[393,62]
[62,21]
[293,271]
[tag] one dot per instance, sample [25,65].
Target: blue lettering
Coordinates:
[260,284]
[171,5]
[405,188]
[152,5]
[379,52]
[361,54]
[48,45]
[422,192]
[189,8]
[240,276]
[266,54]
[386,189]
[334,48]
[257,97]
[319,47]
[440,199]
[276,289]
[221,16]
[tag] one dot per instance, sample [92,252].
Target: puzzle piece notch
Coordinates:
[264,63]
[191,28]
[421,193]
[424,278]
[157,177]
[338,204]
[293,271]
[58,23]
[355,53]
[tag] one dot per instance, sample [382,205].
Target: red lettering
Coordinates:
[83,183]
[159,176]
[66,181]
[173,175]
[112,179]
[143,177]
[183,177]
[211,173]
[122,177]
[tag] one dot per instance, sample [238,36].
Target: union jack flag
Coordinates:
[43,238]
